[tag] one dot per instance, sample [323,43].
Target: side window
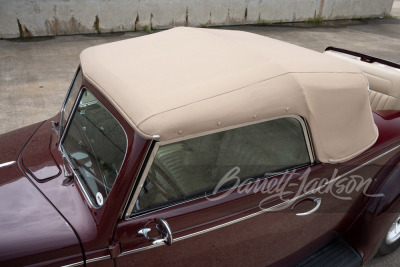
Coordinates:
[192,168]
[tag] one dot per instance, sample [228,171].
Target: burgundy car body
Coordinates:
[33,230]
[103,236]
[46,219]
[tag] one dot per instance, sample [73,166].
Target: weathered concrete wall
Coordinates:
[59,17]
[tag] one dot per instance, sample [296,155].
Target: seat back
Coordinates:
[384,82]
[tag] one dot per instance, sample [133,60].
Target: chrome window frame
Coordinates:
[132,200]
[63,152]
[62,127]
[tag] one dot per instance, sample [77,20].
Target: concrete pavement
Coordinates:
[35,73]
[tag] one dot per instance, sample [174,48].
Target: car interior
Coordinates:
[193,167]
[384,80]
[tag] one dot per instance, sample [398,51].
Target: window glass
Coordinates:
[193,168]
[96,145]
[71,97]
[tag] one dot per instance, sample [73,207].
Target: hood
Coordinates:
[32,231]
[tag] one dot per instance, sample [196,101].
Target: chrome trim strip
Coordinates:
[66,99]
[88,261]
[80,263]
[66,126]
[61,149]
[310,146]
[264,210]
[140,249]
[141,181]
[126,207]
[7,164]
[158,144]
[107,257]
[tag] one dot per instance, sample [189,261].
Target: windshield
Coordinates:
[71,96]
[96,145]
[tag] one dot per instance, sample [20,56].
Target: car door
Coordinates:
[240,196]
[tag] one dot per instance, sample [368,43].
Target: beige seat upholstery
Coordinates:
[384,83]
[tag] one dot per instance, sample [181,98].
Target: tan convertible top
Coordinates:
[188,81]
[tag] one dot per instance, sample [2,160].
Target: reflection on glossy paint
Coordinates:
[33,225]
[5,164]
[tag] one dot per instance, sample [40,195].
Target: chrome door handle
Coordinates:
[317,201]
[163,230]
